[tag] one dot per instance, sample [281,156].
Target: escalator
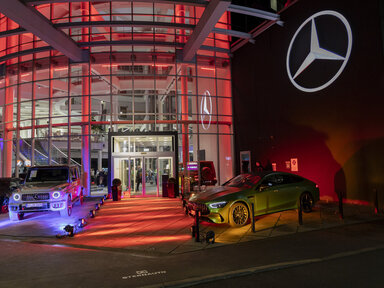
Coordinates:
[41,153]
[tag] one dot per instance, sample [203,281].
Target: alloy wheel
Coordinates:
[240,214]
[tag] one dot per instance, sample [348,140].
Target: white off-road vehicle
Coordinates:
[47,188]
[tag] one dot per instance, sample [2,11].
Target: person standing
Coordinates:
[139,177]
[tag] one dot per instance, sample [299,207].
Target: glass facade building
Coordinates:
[54,110]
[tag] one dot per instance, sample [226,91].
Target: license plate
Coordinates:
[29,205]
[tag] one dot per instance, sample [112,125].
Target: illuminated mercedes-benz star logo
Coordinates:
[206,110]
[317,52]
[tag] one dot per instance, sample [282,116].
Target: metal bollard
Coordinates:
[300,214]
[376,201]
[253,217]
[341,210]
[197,232]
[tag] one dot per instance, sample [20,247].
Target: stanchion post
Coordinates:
[376,201]
[341,210]
[253,217]
[300,213]
[197,230]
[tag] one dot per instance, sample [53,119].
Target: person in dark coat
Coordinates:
[139,178]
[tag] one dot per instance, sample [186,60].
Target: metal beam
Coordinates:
[232,33]
[200,3]
[113,23]
[123,23]
[253,12]
[207,22]
[31,20]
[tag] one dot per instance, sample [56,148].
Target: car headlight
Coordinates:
[56,194]
[16,197]
[218,204]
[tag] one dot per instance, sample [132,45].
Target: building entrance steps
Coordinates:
[158,226]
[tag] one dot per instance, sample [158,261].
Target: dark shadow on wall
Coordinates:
[364,171]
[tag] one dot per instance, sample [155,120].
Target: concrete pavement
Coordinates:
[158,226]
[38,265]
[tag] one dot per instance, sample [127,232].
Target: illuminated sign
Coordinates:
[294,164]
[206,110]
[192,166]
[317,49]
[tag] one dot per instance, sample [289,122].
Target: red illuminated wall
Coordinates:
[335,133]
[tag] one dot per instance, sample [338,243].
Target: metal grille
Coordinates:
[35,197]
[199,207]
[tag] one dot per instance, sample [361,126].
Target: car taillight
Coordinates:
[317,186]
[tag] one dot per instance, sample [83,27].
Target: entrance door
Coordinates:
[143,176]
[123,172]
[151,176]
[165,170]
[137,172]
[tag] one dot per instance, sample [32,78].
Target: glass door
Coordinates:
[121,167]
[151,176]
[137,183]
[124,175]
[165,170]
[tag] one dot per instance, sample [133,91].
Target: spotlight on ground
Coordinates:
[97,206]
[105,197]
[92,213]
[210,237]
[70,230]
[101,201]
[82,223]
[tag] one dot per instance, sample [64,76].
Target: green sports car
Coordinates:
[269,192]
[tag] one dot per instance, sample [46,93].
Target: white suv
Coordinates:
[47,188]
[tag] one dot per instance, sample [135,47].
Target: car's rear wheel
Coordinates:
[68,209]
[238,215]
[306,201]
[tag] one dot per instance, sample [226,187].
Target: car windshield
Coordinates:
[47,174]
[243,181]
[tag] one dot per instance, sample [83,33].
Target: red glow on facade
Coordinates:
[208,69]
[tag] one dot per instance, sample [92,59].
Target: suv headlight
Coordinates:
[16,197]
[56,194]
[216,205]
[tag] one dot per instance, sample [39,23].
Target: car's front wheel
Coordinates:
[67,211]
[238,215]
[306,202]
